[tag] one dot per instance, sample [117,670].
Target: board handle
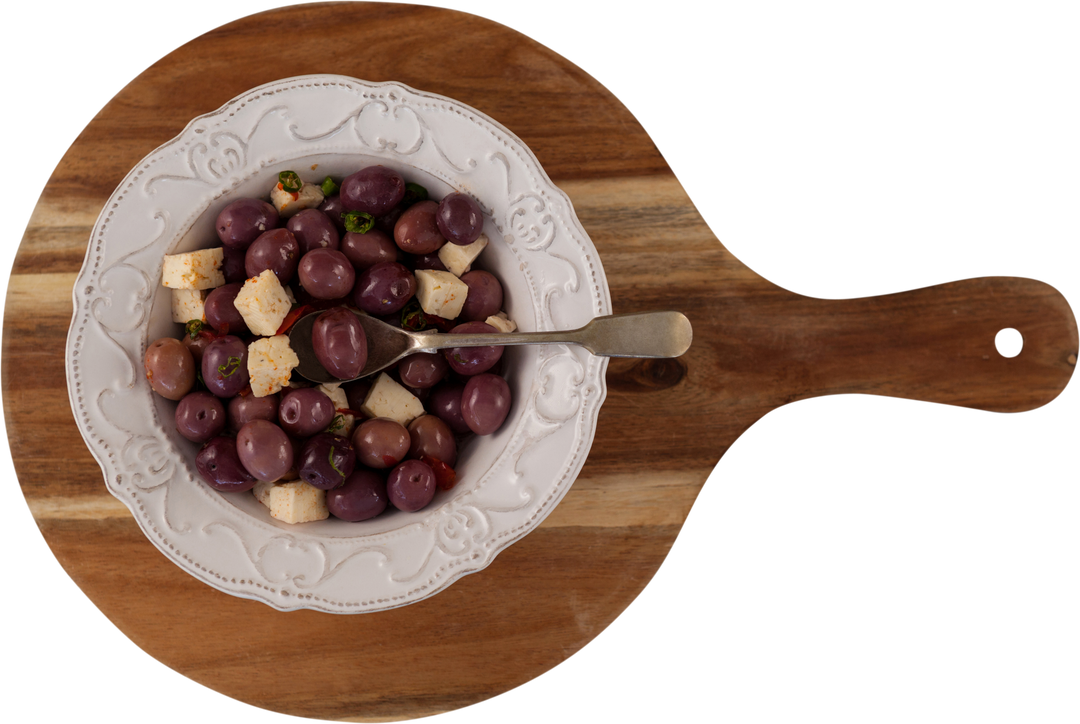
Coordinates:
[935,344]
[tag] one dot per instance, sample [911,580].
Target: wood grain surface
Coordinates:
[828,237]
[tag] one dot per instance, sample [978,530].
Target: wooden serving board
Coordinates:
[756,348]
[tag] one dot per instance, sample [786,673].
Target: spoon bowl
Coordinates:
[648,334]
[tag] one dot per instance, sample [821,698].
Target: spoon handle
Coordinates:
[649,334]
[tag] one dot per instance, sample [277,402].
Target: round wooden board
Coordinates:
[860,531]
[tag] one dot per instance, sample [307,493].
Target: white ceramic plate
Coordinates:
[333,125]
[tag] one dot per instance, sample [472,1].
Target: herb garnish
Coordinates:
[193,328]
[335,467]
[358,222]
[229,363]
[290,181]
[414,193]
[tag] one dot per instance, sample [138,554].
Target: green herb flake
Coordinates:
[358,222]
[192,328]
[414,193]
[413,317]
[233,362]
[290,181]
[335,467]
[338,423]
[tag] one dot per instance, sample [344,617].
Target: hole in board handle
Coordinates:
[1010,343]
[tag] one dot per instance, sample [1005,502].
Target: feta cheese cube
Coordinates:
[262,491]
[263,487]
[387,398]
[297,502]
[440,293]
[188,304]
[342,424]
[270,364]
[194,269]
[457,259]
[501,322]
[263,304]
[308,197]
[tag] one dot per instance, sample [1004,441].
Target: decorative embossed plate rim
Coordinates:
[318,125]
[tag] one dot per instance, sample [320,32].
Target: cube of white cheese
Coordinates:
[457,259]
[342,424]
[263,304]
[194,269]
[263,487]
[308,197]
[262,491]
[270,364]
[501,322]
[188,304]
[387,398]
[297,502]
[440,293]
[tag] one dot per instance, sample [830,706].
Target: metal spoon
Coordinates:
[649,334]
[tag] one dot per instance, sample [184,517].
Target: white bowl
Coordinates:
[332,125]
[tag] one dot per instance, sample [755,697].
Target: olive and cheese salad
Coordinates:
[353,448]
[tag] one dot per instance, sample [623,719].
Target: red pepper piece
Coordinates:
[208,332]
[445,477]
[413,319]
[294,314]
[294,194]
[441,324]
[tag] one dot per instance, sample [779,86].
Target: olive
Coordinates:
[170,368]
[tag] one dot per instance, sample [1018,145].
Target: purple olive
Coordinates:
[200,416]
[361,496]
[224,366]
[305,411]
[244,409]
[432,437]
[368,249]
[339,343]
[326,460]
[460,219]
[485,297]
[221,312]
[417,232]
[276,250]
[313,229]
[219,465]
[326,274]
[384,288]
[374,190]
[242,221]
[485,403]
[473,360]
[422,370]
[445,403]
[411,485]
[331,206]
[264,450]
[381,442]
[170,368]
